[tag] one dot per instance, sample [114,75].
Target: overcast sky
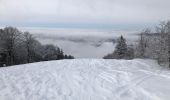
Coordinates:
[85,13]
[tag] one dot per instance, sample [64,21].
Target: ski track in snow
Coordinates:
[85,79]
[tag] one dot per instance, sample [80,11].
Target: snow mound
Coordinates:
[85,79]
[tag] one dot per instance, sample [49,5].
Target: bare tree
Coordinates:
[164,41]
[50,52]
[143,43]
[168,40]
[10,40]
[29,40]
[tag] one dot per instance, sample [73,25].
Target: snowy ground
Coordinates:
[85,79]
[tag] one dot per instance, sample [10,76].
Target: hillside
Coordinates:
[85,79]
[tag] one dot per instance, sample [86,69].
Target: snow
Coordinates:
[86,79]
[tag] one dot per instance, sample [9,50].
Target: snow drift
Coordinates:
[85,79]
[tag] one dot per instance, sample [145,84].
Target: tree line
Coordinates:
[152,44]
[18,47]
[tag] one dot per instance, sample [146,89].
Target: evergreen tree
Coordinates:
[121,49]
[70,57]
[65,57]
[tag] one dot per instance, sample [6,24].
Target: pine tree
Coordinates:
[121,49]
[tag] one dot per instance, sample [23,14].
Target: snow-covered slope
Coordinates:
[85,79]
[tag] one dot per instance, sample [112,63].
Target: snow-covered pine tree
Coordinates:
[121,49]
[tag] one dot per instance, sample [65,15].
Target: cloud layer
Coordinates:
[82,43]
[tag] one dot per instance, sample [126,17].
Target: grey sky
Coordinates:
[53,12]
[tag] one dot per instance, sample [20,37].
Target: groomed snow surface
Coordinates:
[86,79]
